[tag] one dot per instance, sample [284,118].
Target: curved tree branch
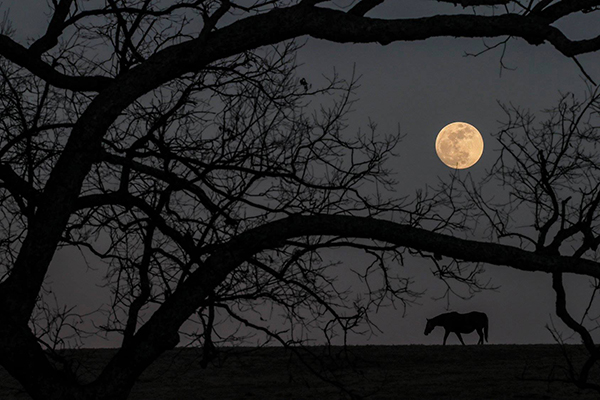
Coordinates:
[305,19]
[25,58]
[154,337]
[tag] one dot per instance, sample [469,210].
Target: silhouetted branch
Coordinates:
[24,58]
[55,28]
[592,349]
[583,71]
[364,6]
[475,3]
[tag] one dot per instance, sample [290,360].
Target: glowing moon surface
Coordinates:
[459,145]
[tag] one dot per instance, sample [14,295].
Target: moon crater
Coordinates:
[459,145]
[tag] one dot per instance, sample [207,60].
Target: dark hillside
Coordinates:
[378,372]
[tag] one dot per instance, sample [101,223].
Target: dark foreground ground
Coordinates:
[375,372]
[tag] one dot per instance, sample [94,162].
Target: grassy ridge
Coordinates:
[377,372]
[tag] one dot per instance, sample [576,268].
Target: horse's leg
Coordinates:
[446,333]
[480,333]
[460,338]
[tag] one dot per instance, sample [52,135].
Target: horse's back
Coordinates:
[473,315]
[467,323]
[478,314]
[470,320]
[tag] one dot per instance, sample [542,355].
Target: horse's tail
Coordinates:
[485,328]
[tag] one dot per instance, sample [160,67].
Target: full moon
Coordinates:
[459,145]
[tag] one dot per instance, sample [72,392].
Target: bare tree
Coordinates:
[173,141]
[549,169]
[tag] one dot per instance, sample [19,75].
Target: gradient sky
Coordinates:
[421,87]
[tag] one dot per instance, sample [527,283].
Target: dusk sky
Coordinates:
[419,87]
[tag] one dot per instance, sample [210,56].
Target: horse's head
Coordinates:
[429,327]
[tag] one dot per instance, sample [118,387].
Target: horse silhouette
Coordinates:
[460,323]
